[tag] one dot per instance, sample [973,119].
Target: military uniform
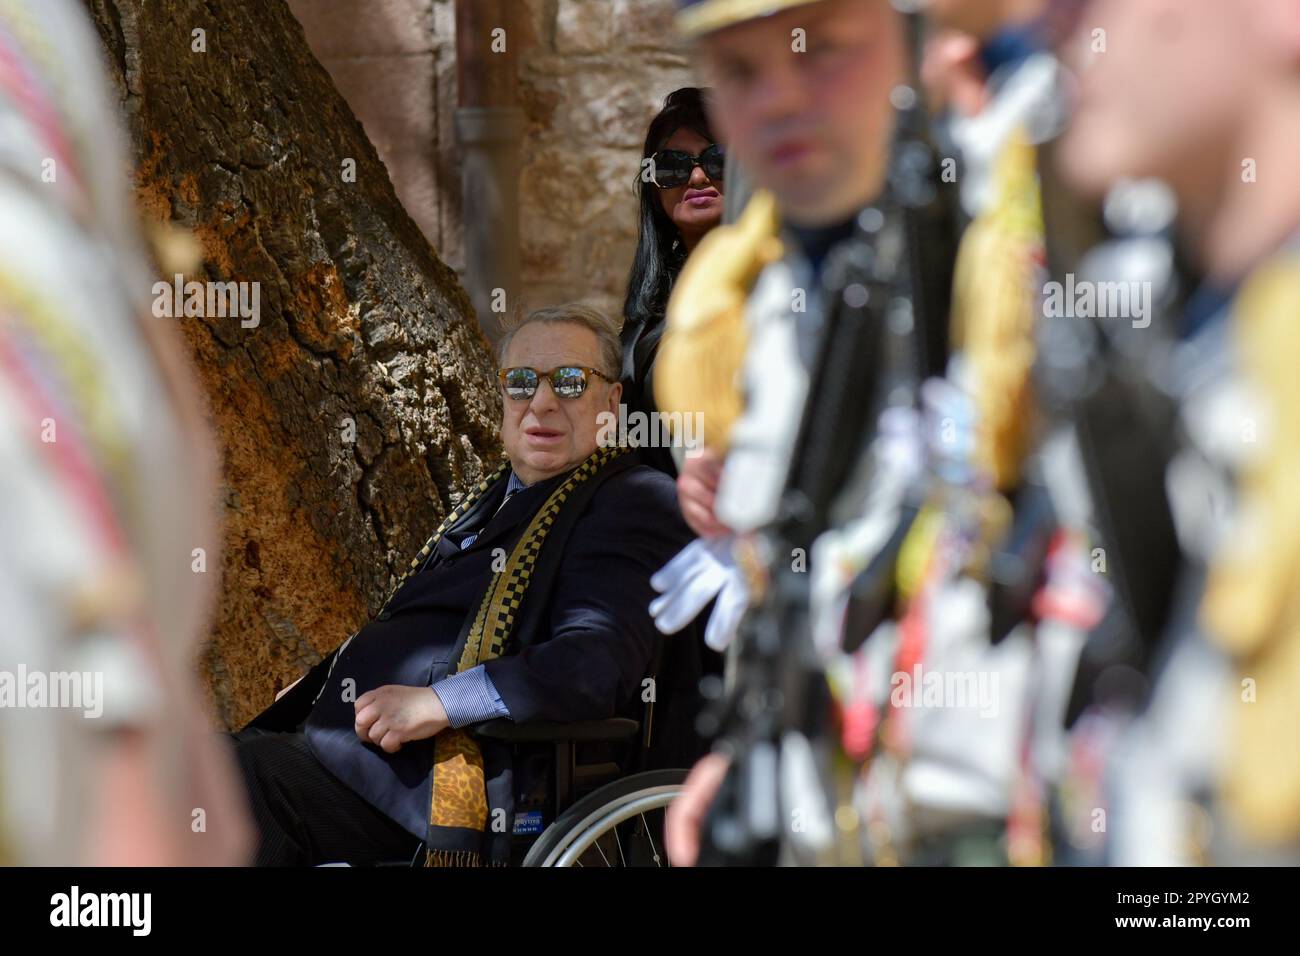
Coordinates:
[747,327]
[105,466]
[1208,771]
[898,775]
[954,708]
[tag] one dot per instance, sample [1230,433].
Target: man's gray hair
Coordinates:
[574,313]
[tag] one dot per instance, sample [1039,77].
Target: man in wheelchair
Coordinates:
[529,603]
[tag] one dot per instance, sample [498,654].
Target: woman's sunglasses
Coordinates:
[673,168]
[567,381]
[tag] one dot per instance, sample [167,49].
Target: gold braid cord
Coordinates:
[1252,602]
[458,796]
[702,350]
[994,303]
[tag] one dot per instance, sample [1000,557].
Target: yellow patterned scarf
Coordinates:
[458,792]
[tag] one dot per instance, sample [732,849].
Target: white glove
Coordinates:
[704,569]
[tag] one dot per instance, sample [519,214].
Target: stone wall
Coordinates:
[592,73]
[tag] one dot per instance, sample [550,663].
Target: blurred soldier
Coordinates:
[106,490]
[954,705]
[994,600]
[802,304]
[1203,94]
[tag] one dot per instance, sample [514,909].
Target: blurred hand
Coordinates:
[393,715]
[953,75]
[697,489]
[131,822]
[685,816]
[138,819]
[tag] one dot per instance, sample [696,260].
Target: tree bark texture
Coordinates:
[362,406]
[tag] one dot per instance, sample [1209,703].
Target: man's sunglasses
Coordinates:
[567,381]
[673,168]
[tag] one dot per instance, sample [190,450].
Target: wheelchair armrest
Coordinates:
[542,731]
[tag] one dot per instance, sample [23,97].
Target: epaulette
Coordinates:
[1251,604]
[698,366]
[994,309]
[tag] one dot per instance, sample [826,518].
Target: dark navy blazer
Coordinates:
[589,663]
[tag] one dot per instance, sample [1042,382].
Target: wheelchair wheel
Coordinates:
[621,824]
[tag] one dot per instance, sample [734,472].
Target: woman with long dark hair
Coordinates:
[679,205]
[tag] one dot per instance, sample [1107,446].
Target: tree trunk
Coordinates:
[360,407]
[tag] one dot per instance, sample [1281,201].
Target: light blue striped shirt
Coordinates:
[469,697]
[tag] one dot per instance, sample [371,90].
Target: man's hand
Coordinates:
[697,488]
[393,715]
[686,814]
